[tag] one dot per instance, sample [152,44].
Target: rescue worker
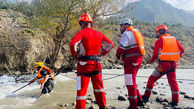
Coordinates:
[89,42]
[45,78]
[131,50]
[167,50]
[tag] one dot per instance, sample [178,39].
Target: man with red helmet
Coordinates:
[89,42]
[168,50]
[131,49]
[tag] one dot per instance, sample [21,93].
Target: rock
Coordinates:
[154,92]
[88,101]
[66,105]
[180,82]
[164,103]
[91,107]
[118,88]
[159,99]
[162,83]
[94,101]
[177,107]
[187,96]
[122,98]
[162,94]
[144,87]
[165,100]
[126,95]
[182,93]
[73,104]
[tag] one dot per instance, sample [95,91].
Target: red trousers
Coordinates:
[83,82]
[167,68]
[131,67]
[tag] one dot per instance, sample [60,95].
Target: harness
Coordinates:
[90,58]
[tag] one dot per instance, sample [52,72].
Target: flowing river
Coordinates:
[65,90]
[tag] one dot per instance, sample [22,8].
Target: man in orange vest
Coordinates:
[89,66]
[168,50]
[45,78]
[131,49]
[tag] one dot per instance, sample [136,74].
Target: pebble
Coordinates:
[154,92]
[88,101]
[89,98]
[177,107]
[118,88]
[165,100]
[73,104]
[182,93]
[66,105]
[162,94]
[91,107]
[159,99]
[122,98]
[187,96]
[164,103]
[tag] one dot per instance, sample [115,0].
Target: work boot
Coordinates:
[173,104]
[145,99]
[140,103]
[102,108]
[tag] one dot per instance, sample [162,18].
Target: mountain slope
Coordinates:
[159,11]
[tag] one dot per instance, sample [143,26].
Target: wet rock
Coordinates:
[164,103]
[180,82]
[177,107]
[162,94]
[165,100]
[91,107]
[118,87]
[73,104]
[187,96]
[182,93]
[122,98]
[94,101]
[154,92]
[159,99]
[88,101]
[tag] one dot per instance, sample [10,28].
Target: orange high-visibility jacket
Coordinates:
[139,39]
[41,78]
[170,50]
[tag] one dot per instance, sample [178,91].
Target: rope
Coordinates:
[117,75]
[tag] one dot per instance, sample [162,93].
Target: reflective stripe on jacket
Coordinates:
[170,50]
[139,39]
[41,78]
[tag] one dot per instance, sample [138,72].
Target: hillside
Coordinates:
[21,45]
[158,11]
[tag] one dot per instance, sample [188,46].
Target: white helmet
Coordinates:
[126,21]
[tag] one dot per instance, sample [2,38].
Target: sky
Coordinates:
[182,4]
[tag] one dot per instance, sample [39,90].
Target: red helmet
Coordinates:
[85,18]
[162,26]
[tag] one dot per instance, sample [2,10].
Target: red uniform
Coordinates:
[130,52]
[164,67]
[89,66]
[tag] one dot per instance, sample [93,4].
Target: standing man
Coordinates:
[89,42]
[168,50]
[131,49]
[45,78]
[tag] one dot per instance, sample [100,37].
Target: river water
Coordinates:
[65,90]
